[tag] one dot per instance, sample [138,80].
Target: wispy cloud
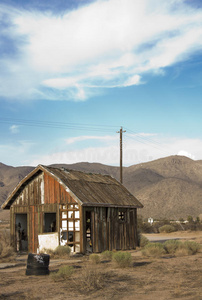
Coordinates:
[17,153]
[100,45]
[88,137]
[134,151]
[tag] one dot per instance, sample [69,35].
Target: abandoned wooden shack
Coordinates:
[88,212]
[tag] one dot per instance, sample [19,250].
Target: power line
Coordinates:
[84,127]
[152,143]
[144,138]
[60,125]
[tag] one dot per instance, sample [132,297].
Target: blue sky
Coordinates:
[73,72]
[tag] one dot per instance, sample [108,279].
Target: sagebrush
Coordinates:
[107,255]
[94,258]
[154,250]
[6,251]
[174,247]
[167,228]
[191,247]
[122,259]
[64,273]
[171,246]
[143,241]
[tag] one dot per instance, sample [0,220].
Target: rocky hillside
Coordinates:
[169,187]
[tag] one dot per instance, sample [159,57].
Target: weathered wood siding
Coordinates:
[44,194]
[41,195]
[108,231]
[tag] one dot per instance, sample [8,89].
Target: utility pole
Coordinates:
[121,154]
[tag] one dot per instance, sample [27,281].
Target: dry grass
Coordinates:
[6,251]
[59,252]
[92,279]
[147,278]
[5,236]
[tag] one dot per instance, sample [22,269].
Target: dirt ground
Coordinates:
[148,278]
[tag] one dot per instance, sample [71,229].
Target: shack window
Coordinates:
[122,216]
[49,222]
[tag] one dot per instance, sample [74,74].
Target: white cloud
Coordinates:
[134,151]
[185,153]
[132,80]
[87,137]
[106,155]
[103,44]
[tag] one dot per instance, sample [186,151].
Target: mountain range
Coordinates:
[169,188]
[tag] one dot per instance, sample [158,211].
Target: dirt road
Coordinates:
[178,235]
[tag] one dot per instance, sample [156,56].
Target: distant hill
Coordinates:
[169,187]
[9,178]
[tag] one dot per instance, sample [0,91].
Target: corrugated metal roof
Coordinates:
[89,188]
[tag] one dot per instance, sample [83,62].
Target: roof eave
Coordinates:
[111,205]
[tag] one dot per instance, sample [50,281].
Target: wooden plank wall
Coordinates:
[30,201]
[110,233]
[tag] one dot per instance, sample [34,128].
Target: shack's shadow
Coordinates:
[141,263]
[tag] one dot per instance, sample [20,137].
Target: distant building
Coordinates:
[150,221]
[88,212]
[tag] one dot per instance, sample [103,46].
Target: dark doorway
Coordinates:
[89,242]
[21,232]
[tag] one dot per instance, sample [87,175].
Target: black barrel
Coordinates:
[37,264]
